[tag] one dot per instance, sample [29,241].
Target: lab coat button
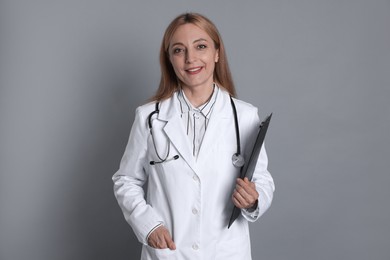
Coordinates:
[195,178]
[194,211]
[195,247]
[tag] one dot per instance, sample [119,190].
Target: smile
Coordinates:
[194,70]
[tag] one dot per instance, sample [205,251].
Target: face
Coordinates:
[193,56]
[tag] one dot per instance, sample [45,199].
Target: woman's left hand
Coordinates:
[245,194]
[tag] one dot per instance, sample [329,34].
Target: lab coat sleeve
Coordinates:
[129,181]
[263,181]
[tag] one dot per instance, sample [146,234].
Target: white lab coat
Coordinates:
[190,196]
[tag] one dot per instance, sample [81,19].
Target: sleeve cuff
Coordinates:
[251,214]
[151,231]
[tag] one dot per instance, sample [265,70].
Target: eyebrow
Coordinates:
[198,40]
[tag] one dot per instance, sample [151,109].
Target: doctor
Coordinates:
[181,144]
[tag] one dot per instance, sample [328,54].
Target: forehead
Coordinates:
[188,33]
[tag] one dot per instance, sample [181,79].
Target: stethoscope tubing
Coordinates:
[237,158]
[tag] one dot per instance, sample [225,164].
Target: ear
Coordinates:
[216,56]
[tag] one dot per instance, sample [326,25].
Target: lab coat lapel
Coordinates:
[175,131]
[217,124]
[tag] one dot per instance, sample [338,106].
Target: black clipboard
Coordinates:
[248,169]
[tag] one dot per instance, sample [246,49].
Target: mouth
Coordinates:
[194,70]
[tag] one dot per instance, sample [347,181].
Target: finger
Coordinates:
[157,238]
[243,205]
[248,186]
[246,199]
[245,183]
[172,246]
[242,202]
[168,240]
[237,203]
[160,242]
[242,195]
[247,193]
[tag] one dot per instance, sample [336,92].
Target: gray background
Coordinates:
[73,72]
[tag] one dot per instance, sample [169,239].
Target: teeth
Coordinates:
[193,70]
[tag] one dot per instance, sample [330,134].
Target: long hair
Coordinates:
[169,82]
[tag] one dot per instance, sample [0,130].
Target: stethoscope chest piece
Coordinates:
[238,160]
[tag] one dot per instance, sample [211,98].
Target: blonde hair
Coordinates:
[169,82]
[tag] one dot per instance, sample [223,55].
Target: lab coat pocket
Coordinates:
[161,254]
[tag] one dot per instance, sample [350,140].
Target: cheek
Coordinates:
[176,59]
[211,64]
[209,60]
[176,64]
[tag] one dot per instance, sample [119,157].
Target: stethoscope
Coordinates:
[237,159]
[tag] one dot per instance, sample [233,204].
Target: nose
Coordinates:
[190,56]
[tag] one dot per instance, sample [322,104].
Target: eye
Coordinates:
[177,50]
[202,46]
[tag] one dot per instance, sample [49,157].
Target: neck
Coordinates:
[198,96]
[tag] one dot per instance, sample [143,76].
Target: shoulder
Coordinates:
[146,109]
[240,104]
[244,107]
[165,108]
[246,112]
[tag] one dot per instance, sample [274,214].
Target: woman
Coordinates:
[182,144]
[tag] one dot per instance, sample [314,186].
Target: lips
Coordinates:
[194,70]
